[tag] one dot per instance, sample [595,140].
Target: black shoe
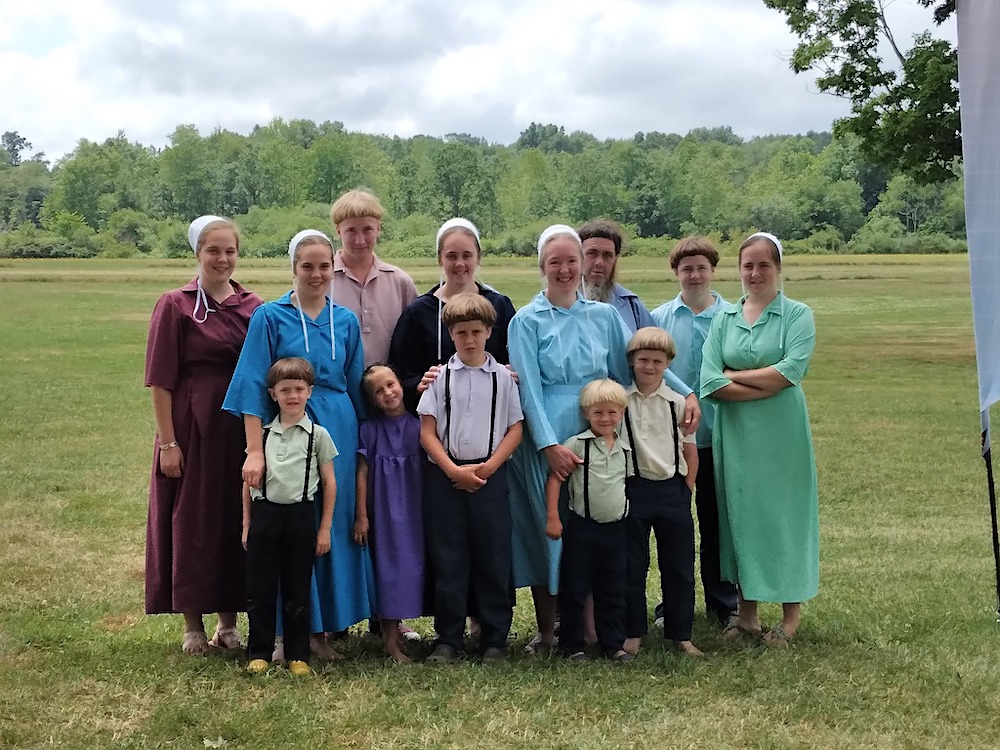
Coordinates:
[442,654]
[495,655]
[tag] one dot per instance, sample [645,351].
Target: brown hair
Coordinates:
[467,307]
[604,229]
[759,239]
[356,204]
[211,227]
[310,239]
[689,247]
[653,338]
[290,368]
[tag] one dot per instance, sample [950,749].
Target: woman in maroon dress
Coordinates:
[194,558]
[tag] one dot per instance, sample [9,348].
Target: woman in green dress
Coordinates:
[755,357]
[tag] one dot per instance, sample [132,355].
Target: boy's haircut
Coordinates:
[692,246]
[467,307]
[290,368]
[355,204]
[211,226]
[653,338]
[604,229]
[604,391]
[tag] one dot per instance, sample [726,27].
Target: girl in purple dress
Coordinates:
[389,512]
[194,560]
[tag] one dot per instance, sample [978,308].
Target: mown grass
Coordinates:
[897,651]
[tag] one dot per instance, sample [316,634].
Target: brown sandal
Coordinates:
[227,639]
[737,630]
[777,637]
[195,643]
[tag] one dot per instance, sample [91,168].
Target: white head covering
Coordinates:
[456,223]
[781,287]
[293,246]
[195,228]
[554,231]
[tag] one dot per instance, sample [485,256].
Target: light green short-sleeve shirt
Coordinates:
[609,468]
[285,460]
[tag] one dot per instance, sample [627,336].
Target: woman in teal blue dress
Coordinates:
[558,342]
[306,323]
[754,359]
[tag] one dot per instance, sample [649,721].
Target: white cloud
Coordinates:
[71,70]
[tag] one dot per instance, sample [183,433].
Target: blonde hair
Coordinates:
[604,391]
[654,339]
[467,307]
[356,204]
[211,226]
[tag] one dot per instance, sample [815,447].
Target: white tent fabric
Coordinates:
[979,91]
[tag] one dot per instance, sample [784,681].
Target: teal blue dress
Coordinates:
[555,351]
[765,470]
[344,583]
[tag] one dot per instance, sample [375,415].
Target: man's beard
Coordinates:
[599,292]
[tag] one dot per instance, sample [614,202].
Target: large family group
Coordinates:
[353,451]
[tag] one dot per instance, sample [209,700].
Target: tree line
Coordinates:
[818,191]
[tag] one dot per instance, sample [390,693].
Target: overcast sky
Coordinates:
[72,69]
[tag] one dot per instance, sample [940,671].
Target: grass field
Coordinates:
[899,650]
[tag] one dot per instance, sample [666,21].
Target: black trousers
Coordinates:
[663,507]
[593,561]
[720,596]
[470,545]
[281,546]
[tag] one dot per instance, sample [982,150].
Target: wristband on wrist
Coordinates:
[168,446]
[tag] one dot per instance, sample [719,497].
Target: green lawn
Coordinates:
[899,650]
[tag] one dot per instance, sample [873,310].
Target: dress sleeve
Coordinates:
[163,347]
[799,342]
[712,378]
[522,342]
[618,336]
[354,367]
[365,439]
[247,392]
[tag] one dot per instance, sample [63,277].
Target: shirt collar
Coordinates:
[238,290]
[305,423]
[661,391]
[490,365]
[588,434]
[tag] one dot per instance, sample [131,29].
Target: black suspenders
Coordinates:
[447,412]
[677,441]
[309,458]
[586,481]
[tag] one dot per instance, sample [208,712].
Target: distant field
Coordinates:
[898,651]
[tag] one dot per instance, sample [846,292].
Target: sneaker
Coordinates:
[442,654]
[256,666]
[299,668]
[494,655]
[408,634]
[622,657]
[658,622]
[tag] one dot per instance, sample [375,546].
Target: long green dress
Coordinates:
[764,464]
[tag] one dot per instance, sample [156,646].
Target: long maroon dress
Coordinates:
[194,556]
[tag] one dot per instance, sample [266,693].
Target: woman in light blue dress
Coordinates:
[558,343]
[305,323]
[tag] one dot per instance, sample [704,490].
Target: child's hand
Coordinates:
[465,477]
[360,533]
[554,528]
[484,472]
[322,541]
[246,532]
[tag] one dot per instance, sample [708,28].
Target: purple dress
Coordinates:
[194,557]
[391,446]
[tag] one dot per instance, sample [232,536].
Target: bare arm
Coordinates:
[246,513]
[740,392]
[553,526]
[360,532]
[504,451]
[329,481]
[253,466]
[763,378]
[171,459]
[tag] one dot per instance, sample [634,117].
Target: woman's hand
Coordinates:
[429,377]
[553,528]
[360,532]
[692,414]
[253,469]
[513,374]
[562,461]
[322,540]
[172,462]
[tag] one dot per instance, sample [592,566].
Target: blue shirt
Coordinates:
[689,331]
[630,307]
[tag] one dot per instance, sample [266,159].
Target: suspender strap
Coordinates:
[309,460]
[447,409]
[586,479]
[677,442]
[493,415]
[632,444]
[263,477]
